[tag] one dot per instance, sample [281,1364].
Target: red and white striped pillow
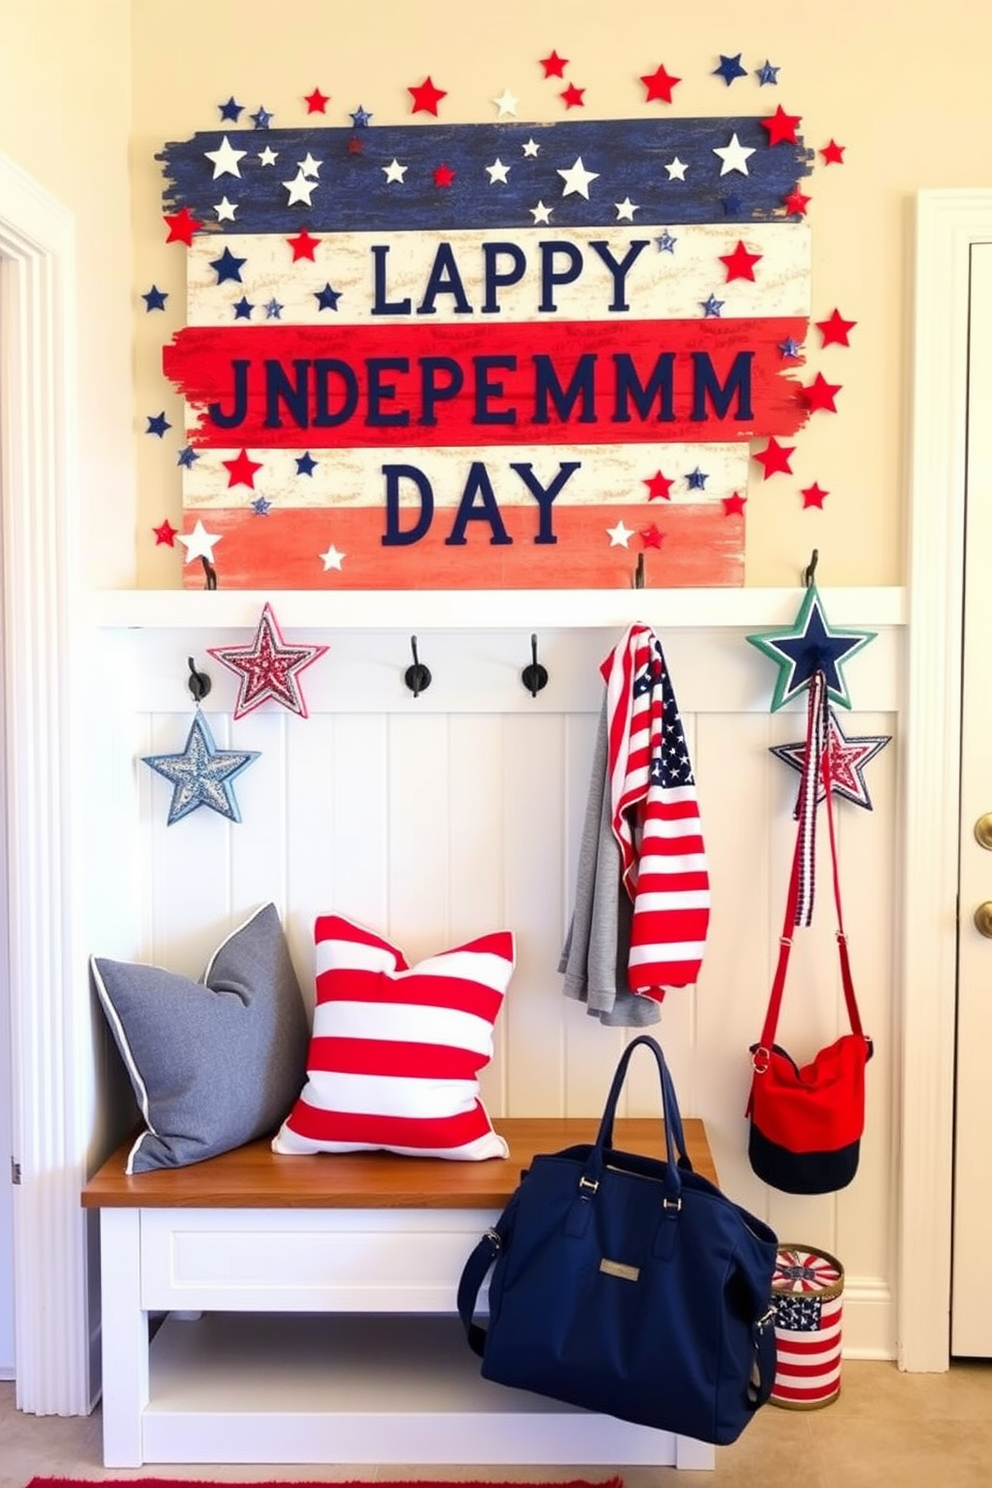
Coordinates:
[396,1049]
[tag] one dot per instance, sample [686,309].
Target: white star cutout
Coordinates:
[200,543]
[332,559]
[268,156]
[225,159]
[506,103]
[734,156]
[394,171]
[619,535]
[300,189]
[225,210]
[530,149]
[309,167]
[676,169]
[541,213]
[626,210]
[498,172]
[577,179]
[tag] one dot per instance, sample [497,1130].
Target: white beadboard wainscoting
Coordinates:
[440,817]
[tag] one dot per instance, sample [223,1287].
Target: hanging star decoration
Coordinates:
[268,668]
[848,758]
[201,774]
[810,646]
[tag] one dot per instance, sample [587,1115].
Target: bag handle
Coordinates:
[818,698]
[675,1152]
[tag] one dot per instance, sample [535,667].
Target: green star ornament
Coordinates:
[810,646]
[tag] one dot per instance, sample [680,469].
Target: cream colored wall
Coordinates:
[902,84]
[65,103]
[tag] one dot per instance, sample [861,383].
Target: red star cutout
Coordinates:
[316,102]
[651,536]
[659,85]
[355,145]
[554,66]
[782,127]
[733,506]
[819,395]
[813,496]
[165,534]
[572,96]
[426,98]
[268,668]
[833,154]
[241,470]
[834,329]
[182,225]
[740,263]
[796,203]
[303,245]
[443,175]
[658,486]
[775,458]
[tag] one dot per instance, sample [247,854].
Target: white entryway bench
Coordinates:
[260,1308]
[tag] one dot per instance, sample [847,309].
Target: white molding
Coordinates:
[948,223]
[48,995]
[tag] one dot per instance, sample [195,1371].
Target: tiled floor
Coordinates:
[887,1430]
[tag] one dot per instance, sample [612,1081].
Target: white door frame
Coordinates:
[947,224]
[50,1009]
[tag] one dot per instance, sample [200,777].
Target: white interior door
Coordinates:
[971,1301]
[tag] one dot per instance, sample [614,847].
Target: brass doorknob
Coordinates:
[983,919]
[983,831]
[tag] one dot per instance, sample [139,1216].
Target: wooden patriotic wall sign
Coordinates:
[494,355]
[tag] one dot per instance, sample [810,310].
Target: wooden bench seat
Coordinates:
[323,1293]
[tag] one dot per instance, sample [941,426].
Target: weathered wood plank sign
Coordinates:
[485,356]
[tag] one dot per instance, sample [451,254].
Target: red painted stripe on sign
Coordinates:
[577,382]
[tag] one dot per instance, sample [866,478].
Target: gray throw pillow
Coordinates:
[213,1063]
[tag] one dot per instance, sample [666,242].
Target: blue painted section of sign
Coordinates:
[631,160]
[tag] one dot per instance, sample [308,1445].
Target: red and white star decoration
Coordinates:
[268,668]
[848,759]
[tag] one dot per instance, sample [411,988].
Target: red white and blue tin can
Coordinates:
[807,1294]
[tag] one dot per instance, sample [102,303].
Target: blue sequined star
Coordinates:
[306,464]
[361,118]
[243,309]
[766,73]
[666,243]
[228,266]
[260,506]
[262,119]
[231,110]
[155,298]
[157,424]
[790,347]
[202,774]
[327,298]
[187,457]
[711,307]
[730,68]
[273,309]
[810,646]
[696,479]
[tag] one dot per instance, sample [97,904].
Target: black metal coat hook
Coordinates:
[417,677]
[810,570]
[198,683]
[535,676]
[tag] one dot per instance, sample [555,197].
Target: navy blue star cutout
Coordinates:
[155,298]
[306,464]
[187,457]
[260,506]
[262,119]
[243,309]
[767,74]
[666,243]
[696,479]
[711,307]
[790,347]
[730,68]
[810,646]
[327,298]
[361,117]
[157,424]
[231,110]
[273,309]
[228,266]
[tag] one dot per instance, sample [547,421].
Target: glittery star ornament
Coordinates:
[810,646]
[269,668]
[201,774]
[848,759]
